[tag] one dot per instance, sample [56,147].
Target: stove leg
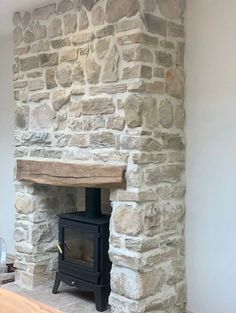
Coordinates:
[56,284]
[101,297]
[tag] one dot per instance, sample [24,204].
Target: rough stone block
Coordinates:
[42,117]
[22,116]
[172,9]
[54,29]
[102,140]
[166,114]
[164,59]
[64,75]
[39,46]
[116,10]
[135,285]
[70,23]
[69,55]
[121,218]
[36,84]
[97,106]
[110,73]
[50,59]
[44,13]
[59,99]
[155,24]
[83,22]
[175,30]
[64,6]
[29,63]
[133,108]
[24,205]
[60,43]
[137,38]
[175,83]
[98,16]
[93,70]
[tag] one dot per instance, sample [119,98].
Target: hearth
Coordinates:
[83,246]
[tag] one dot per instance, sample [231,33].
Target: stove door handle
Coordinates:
[59,248]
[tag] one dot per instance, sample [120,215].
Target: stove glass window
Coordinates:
[79,247]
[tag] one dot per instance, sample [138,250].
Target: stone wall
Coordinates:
[103,81]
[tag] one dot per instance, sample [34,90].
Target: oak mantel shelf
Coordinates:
[58,173]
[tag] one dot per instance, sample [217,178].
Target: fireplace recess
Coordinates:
[83,245]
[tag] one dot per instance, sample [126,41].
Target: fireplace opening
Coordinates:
[83,245]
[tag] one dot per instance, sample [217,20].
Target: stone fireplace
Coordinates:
[102,82]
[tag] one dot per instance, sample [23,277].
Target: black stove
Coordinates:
[83,246]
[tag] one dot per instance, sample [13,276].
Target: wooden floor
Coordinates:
[13,303]
[68,300]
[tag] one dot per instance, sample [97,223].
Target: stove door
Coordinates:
[80,252]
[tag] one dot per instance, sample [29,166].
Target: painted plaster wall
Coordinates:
[7,211]
[211,154]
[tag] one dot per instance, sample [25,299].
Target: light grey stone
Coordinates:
[24,205]
[102,47]
[69,55]
[60,43]
[42,45]
[175,30]
[39,31]
[42,117]
[70,23]
[26,19]
[64,6]
[16,19]
[116,122]
[17,36]
[102,140]
[50,79]
[59,99]
[22,116]
[54,29]
[121,218]
[78,73]
[166,114]
[172,9]
[82,38]
[64,74]
[164,59]
[93,70]
[21,50]
[44,13]
[115,10]
[98,16]
[155,24]
[105,31]
[150,115]
[37,97]
[36,138]
[83,22]
[50,59]
[36,84]
[175,83]
[179,116]
[97,106]
[110,73]
[88,4]
[133,108]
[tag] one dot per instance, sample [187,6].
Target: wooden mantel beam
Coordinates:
[59,173]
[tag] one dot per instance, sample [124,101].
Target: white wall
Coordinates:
[211,155]
[7,211]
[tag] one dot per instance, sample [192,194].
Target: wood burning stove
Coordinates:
[83,245]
